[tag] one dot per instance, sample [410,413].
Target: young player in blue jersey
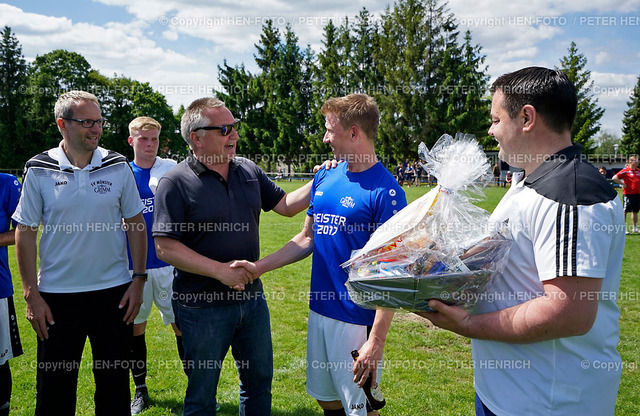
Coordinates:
[10,346]
[347,204]
[148,168]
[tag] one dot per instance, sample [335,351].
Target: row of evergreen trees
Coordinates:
[410,60]
[427,77]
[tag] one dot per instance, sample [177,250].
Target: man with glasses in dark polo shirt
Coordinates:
[207,215]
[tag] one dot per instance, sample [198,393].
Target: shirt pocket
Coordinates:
[251,193]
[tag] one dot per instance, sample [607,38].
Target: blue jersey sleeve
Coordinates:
[317,179]
[388,203]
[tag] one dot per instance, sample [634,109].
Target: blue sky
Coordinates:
[176,45]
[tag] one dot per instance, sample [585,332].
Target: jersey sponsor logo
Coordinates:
[357,406]
[319,193]
[59,183]
[101,187]
[392,192]
[347,202]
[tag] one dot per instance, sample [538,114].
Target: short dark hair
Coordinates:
[194,116]
[64,105]
[549,91]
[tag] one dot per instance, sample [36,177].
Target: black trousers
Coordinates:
[77,316]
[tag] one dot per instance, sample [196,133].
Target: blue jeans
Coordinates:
[207,334]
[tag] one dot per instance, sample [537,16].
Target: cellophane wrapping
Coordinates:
[441,246]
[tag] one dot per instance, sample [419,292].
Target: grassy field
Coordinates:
[428,370]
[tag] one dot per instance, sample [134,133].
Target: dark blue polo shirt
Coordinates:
[215,218]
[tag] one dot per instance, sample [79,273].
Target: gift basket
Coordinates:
[441,246]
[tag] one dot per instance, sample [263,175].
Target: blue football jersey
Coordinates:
[346,208]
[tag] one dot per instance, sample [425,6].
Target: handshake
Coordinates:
[238,273]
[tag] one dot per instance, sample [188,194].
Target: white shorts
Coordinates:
[330,365]
[10,345]
[158,290]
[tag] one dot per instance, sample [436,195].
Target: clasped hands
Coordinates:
[239,273]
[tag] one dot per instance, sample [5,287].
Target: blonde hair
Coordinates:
[143,123]
[358,109]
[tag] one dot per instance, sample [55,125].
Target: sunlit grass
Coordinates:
[428,370]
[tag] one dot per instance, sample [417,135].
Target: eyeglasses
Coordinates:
[225,130]
[88,123]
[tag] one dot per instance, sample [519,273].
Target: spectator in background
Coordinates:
[629,178]
[10,346]
[507,179]
[408,174]
[418,172]
[83,288]
[496,173]
[400,174]
[603,171]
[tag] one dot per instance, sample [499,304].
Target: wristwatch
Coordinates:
[142,276]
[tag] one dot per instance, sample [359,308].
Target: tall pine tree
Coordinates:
[242,98]
[364,74]
[329,81]
[264,84]
[631,124]
[13,102]
[413,39]
[587,122]
[290,101]
[463,104]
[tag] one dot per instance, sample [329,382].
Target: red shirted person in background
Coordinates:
[629,178]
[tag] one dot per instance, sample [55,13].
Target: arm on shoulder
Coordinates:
[294,202]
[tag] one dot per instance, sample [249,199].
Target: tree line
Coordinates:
[427,77]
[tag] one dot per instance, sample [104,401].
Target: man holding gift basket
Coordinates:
[347,205]
[544,338]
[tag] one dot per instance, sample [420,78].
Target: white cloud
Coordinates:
[236,25]
[613,91]
[177,44]
[147,10]
[170,35]
[114,48]
[602,58]
[31,23]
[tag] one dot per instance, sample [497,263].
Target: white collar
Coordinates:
[58,154]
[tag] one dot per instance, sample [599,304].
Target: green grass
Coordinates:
[428,370]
